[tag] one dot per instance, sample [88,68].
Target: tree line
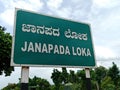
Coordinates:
[101,79]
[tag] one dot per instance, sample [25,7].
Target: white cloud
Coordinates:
[70,9]
[54,4]
[105,25]
[64,12]
[44,73]
[14,78]
[106,3]
[104,52]
[56,8]
[29,5]
[7,16]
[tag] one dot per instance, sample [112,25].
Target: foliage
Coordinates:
[114,73]
[101,78]
[81,76]
[100,73]
[41,83]
[57,78]
[5,52]
[73,78]
[65,75]
[11,87]
[107,84]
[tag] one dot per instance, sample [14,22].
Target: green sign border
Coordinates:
[12,59]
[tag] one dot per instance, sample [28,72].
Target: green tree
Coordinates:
[57,78]
[100,73]
[42,84]
[81,75]
[35,82]
[12,87]
[5,52]
[93,81]
[73,78]
[65,75]
[114,73]
[107,84]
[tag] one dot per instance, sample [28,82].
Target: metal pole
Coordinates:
[24,77]
[88,80]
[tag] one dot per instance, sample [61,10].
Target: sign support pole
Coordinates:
[88,80]
[24,77]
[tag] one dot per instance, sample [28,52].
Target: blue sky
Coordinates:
[102,15]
